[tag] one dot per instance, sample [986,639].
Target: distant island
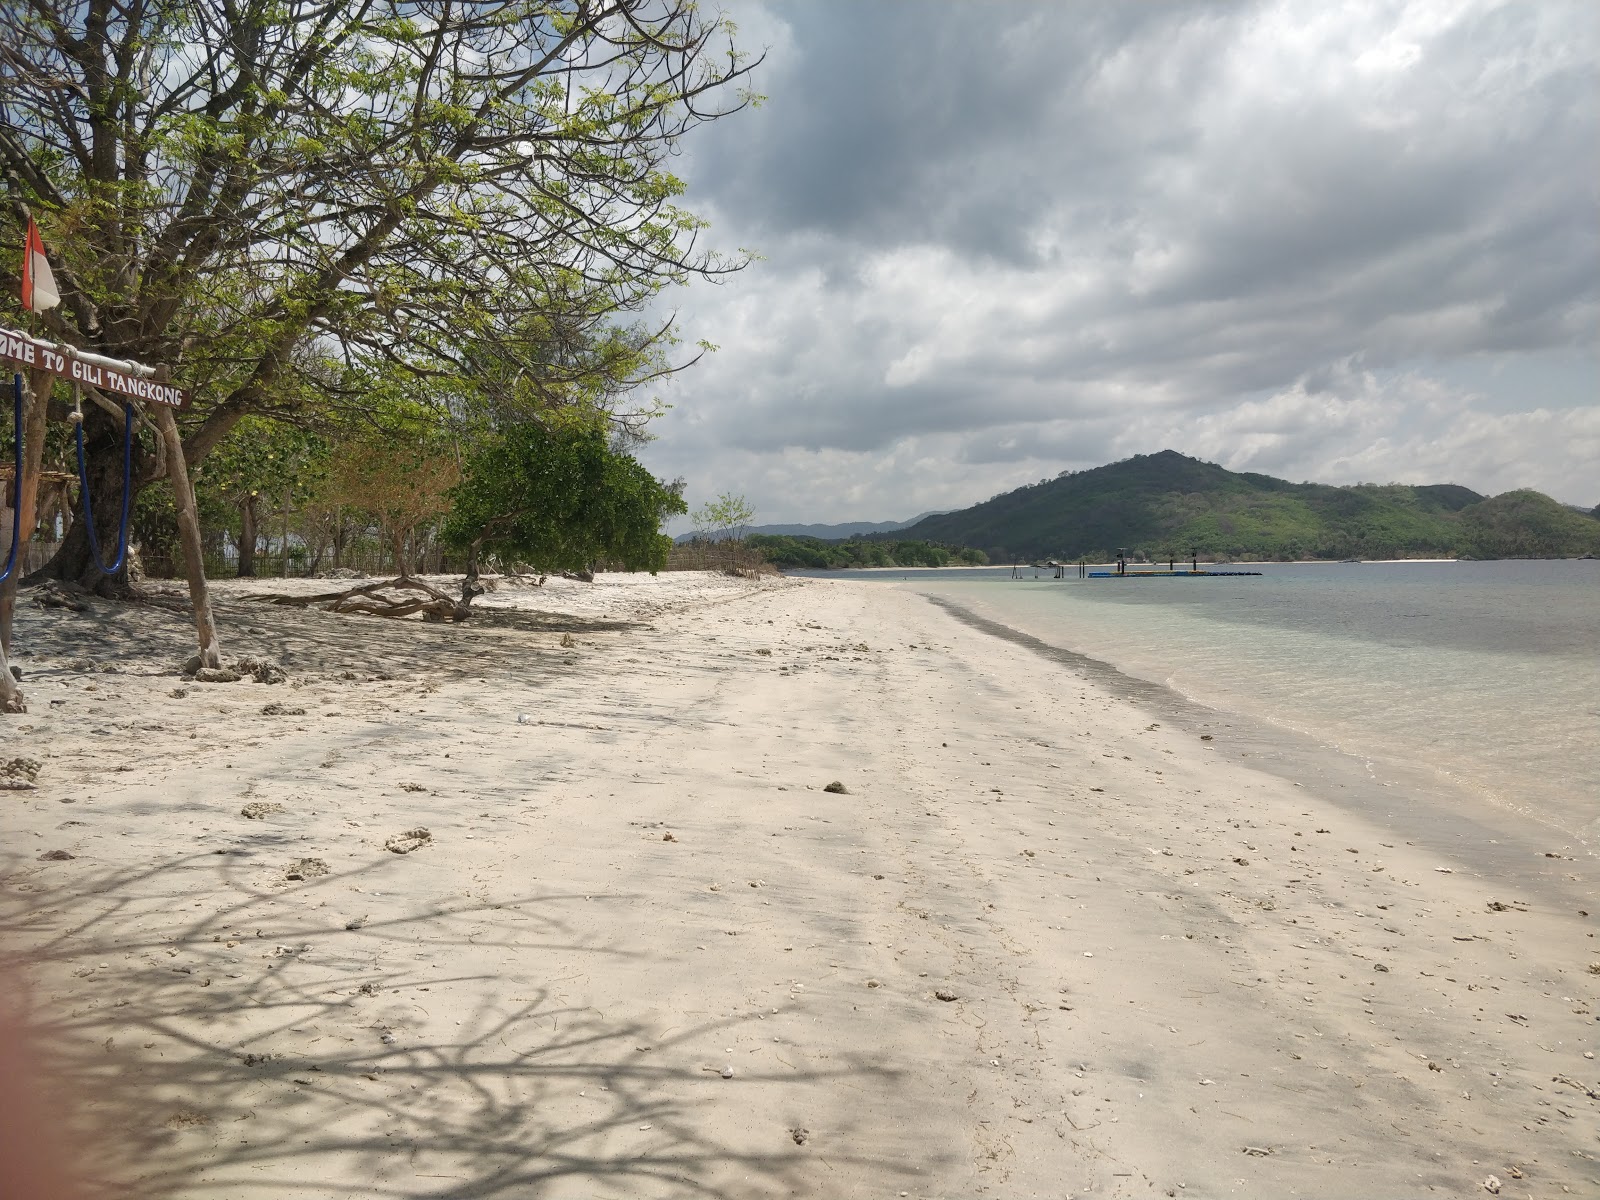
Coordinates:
[1167,504]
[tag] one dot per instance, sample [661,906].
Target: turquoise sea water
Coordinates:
[1486,674]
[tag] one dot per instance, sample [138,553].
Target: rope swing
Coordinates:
[16,482]
[83,478]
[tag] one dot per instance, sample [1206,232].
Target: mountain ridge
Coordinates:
[826,533]
[1167,503]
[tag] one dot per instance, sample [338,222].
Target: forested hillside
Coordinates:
[1168,503]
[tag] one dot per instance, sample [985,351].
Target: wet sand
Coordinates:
[1046,941]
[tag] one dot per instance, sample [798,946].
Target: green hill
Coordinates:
[1166,503]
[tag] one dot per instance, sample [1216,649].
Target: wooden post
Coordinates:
[11,700]
[35,403]
[189,527]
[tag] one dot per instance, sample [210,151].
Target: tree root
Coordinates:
[377,600]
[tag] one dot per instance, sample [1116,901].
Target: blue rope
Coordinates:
[127,491]
[16,483]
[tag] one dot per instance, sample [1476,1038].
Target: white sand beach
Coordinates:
[1043,944]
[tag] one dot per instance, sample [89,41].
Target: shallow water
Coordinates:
[1485,674]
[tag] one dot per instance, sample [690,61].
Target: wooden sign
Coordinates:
[133,380]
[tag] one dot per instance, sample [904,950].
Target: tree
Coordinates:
[557,496]
[401,479]
[725,518]
[724,521]
[283,198]
[259,460]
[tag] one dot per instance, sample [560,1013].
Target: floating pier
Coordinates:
[1162,574]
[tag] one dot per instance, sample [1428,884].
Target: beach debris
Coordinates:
[1592,1093]
[945,994]
[872,983]
[837,788]
[386,1036]
[1243,862]
[568,641]
[411,839]
[798,1135]
[1497,906]
[374,599]
[262,670]
[367,989]
[257,810]
[55,594]
[413,787]
[18,774]
[355,922]
[1594,968]
[669,836]
[216,675]
[1256,1151]
[305,868]
[281,710]
[727,1071]
[56,856]
[1205,737]
[1380,967]
[764,652]
[1492,1185]
[524,719]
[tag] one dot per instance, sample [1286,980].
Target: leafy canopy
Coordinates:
[558,497]
[727,516]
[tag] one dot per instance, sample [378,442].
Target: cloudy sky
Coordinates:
[999,239]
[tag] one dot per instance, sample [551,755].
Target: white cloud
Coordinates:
[1066,235]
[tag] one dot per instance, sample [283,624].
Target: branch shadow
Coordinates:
[235,1049]
[131,636]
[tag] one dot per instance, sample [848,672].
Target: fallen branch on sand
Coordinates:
[379,600]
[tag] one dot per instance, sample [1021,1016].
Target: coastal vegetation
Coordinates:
[560,499]
[375,246]
[814,553]
[1167,504]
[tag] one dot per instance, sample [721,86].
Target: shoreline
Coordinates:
[642,952]
[1498,841]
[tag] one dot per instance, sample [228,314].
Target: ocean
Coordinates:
[1477,683]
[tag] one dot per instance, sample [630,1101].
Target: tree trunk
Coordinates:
[248,536]
[74,561]
[401,568]
[194,562]
[35,402]
[470,587]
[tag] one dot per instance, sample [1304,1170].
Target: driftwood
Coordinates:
[377,600]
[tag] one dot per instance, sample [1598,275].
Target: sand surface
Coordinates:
[1044,944]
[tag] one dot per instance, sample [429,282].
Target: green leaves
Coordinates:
[560,499]
[236,189]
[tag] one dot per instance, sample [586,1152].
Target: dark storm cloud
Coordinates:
[1032,234]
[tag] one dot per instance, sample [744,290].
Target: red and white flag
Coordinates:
[38,280]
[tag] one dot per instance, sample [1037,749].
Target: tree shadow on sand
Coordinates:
[140,637]
[242,1052]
